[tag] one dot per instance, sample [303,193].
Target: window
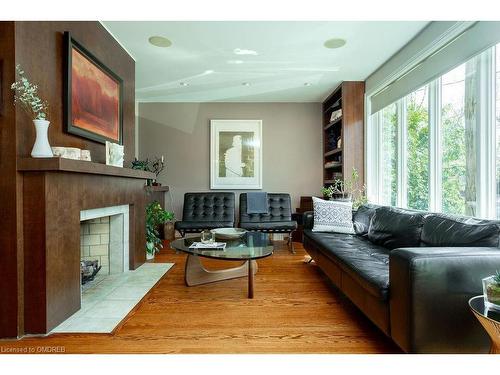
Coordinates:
[389,126]
[497,120]
[458,123]
[438,146]
[417,165]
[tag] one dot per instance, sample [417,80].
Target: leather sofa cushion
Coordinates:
[365,262]
[394,228]
[361,218]
[443,230]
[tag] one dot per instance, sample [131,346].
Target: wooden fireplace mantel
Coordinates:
[55,191]
[79,166]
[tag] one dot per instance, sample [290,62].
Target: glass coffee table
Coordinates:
[248,248]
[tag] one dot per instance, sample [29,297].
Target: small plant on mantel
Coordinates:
[156,166]
[155,216]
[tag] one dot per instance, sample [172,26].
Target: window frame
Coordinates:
[485,147]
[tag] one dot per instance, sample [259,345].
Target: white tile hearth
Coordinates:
[110,299]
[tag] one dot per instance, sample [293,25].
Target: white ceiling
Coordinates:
[289,55]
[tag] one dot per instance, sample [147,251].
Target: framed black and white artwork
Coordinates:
[236,154]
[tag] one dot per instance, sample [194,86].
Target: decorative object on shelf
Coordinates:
[330,164]
[155,216]
[491,291]
[114,154]
[336,115]
[26,95]
[93,95]
[85,155]
[67,152]
[157,166]
[339,142]
[347,190]
[236,154]
[141,165]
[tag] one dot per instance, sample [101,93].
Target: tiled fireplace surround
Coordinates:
[104,237]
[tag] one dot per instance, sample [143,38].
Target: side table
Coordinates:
[489,319]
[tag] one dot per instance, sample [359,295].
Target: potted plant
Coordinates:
[347,190]
[26,95]
[155,216]
[491,291]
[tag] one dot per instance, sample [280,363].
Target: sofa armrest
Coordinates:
[429,292]
[308,220]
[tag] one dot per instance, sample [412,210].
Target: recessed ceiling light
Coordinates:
[308,84]
[234,61]
[208,72]
[240,51]
[159,41]
[335,43]
[184,84]
[246,83]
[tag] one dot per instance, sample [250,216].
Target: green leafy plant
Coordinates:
[157,165]
[349,188]
[26,95]
[155,216]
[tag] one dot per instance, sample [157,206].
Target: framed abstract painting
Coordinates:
[93,95]
[236,154]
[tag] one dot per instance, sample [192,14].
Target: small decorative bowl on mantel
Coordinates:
[491,291]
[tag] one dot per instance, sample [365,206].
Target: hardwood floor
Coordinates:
[295,310]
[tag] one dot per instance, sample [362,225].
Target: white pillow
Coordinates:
[332,216]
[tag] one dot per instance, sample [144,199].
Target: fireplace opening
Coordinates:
[103,244]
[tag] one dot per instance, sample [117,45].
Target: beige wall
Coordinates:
[181,132]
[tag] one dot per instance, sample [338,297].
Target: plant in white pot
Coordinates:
[26,95]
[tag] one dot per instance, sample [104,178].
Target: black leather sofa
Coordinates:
[412,273]
[206,211]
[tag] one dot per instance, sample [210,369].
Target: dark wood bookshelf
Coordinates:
[349,129]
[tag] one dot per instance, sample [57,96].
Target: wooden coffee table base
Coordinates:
[196,274]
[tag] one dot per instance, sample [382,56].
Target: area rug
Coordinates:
[107,303]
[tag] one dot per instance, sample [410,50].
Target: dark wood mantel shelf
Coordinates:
[78,166]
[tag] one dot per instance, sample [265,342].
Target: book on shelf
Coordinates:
[208,246]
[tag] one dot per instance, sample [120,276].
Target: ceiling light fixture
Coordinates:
[246,83]
[184,84]
[234,62]
[159,41]
[308,84]
[334,43]
[240,51]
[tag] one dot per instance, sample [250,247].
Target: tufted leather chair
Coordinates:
[278,220]
[206,211]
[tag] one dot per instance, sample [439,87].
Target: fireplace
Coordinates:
[104,240]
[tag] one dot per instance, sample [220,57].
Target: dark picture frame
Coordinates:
[88,129]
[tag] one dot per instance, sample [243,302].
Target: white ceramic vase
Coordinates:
[149,256]
[41,148]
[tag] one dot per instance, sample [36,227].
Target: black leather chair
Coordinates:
[277,220]
[206,211]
